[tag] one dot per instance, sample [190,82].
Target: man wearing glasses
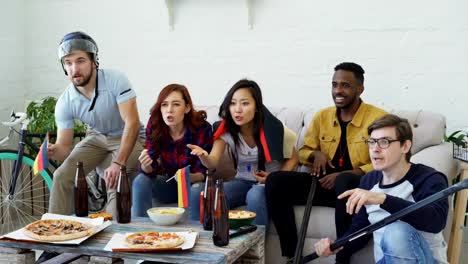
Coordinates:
[335,149]
[393,185]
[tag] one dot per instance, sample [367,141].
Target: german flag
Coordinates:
[183,186]
[42,161]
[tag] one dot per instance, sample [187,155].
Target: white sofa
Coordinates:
[428,130]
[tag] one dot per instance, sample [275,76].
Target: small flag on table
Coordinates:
[42,161]
[183,186]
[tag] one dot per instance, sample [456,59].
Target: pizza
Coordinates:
[57,230]
[154,239]
[105,215]
[240,214]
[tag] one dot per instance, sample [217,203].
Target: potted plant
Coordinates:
[42,120]
[459,140]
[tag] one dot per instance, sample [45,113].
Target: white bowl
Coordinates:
[165,215]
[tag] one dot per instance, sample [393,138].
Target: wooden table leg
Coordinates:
[66,258]
[17,256]
[81,260]
[458,220]
[255,255]
[105,260]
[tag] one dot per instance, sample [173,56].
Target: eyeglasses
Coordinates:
[383,143]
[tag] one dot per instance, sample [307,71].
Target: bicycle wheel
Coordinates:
[31,198]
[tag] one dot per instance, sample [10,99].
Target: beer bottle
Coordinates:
[208,201]
[220,217]
[81,191]
[124,198]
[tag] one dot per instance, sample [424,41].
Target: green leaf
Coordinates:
[42,117]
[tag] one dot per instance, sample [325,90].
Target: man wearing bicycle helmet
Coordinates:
[105,101]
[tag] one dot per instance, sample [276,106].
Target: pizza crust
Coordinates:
[154,240]
[57,230]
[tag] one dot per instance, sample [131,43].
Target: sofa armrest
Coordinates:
[440,157]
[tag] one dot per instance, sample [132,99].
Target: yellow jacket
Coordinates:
[324,134]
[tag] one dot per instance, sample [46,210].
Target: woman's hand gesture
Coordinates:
[145,161]
[197,151]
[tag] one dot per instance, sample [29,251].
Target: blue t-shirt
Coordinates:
[101,111]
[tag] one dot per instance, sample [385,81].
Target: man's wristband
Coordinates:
[118,163]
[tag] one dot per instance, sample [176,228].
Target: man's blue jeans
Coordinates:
[146,188]
[401,243]
[241,192]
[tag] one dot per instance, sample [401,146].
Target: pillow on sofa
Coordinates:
[428,128]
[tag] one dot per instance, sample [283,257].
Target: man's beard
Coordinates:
[84,82]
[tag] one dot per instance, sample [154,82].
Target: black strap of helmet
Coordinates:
[96,92]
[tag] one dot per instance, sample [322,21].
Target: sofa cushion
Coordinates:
[428,128]
[291,117]
[308,116]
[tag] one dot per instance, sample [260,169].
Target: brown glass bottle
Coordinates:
[124,198]
[220,217]
[81,191]
[208,201]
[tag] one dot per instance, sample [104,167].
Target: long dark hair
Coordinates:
[234,129]
[193,119]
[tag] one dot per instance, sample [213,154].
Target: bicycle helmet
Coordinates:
[77,40]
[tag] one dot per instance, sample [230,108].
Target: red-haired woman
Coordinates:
[172,125]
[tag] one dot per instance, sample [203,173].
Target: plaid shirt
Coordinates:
[174,155]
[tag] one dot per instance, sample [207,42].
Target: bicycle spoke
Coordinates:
[29,205]
[6,182]
[40,213]
[21,219]
[23,183]
[20,174]
[26,219]
[30,199]
[25,214]
[15,217]
[27,202]
[4,215]
[10,220]
[28,186]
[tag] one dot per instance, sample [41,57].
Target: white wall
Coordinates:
[414,52]
[12,90]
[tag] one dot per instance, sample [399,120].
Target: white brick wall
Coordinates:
[414,52]
[12,90]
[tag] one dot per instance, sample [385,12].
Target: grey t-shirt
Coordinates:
[247,158]
[101,111]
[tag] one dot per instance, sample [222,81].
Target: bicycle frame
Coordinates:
[19,162]
[19,118]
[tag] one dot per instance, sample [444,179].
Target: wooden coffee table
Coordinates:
[247,248]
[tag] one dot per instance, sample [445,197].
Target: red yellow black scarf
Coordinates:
[271,135]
